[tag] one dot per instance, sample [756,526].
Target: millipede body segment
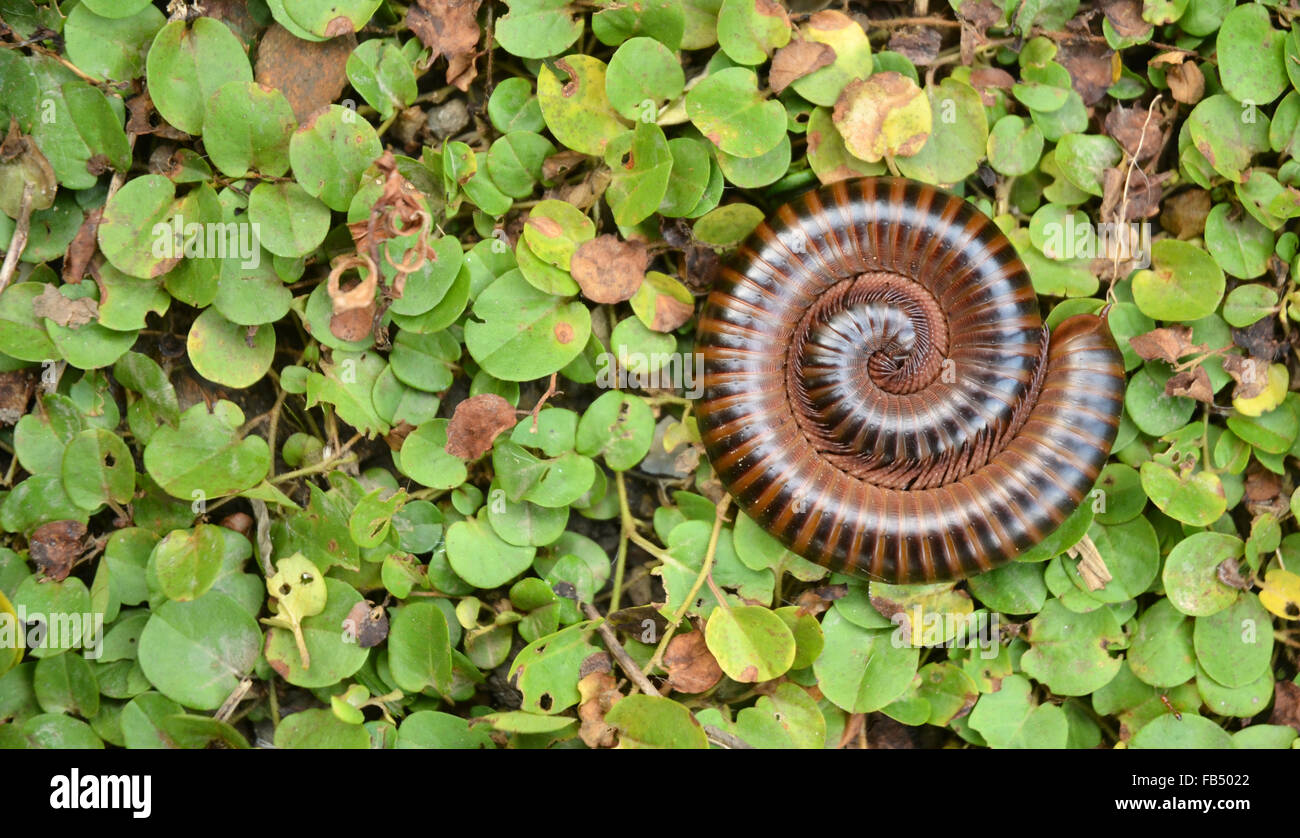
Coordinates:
[880,392]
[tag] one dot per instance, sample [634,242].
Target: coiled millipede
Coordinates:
[880,392]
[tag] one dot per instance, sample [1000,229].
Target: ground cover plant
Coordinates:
[347,366]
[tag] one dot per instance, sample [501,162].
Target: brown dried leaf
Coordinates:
[691,666]
[560,164]
[1193,383]
[1286,704]
[65,312]
[598,692]
[367,624]
[478,421]
[918,43]
[1259,339]
[1092,66]
[1184,213]
[1186,83]
[16,388]
[449,28]
[985,79]
[981,14]
[1126,17]
[796,60]
[353,324]
[56,546]
[1166,344]
[398,435]
[310,74]
[608,269]
[77,258]
[1136,134]
[1250,375]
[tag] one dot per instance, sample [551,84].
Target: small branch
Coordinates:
[19,240]
[620,654]
[705,570]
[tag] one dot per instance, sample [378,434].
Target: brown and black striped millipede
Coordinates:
[880,392]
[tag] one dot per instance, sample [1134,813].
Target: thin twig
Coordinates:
[19,240]
[620,654]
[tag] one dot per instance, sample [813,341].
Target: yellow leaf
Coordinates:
[1270,398]
[1281,594]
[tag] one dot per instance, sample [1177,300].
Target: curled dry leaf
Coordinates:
[65,312]
[22,163]
[478,421]
[1193,383]
[359,295]
[56,546]
[796,60]
[608,269]
[449,28]
[1186,83]
[692,668]
[310,74]
[83,246]
[1167,344]
[598,692]
[885,115]
[353,324]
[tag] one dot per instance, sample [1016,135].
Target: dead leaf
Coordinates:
[1136,134]
[449,28]
[1250,375]
[56,546]
[476,422]
[1126,17]
[1092,67]
[985,79]
[692,668]
[1286,704]
[353,324]
[1259,339]
[874,115]
[1193,383]
[598,692]
[16,388]
[367,624]
[1184,214]
[918,43]
[560,164]
[796,60]
[608,269]
[65,312]
[1186,83]
[310,74]
[82,247]
[1167,344]
[398,435]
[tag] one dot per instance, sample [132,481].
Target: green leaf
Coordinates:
[204,455]
[751,643]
